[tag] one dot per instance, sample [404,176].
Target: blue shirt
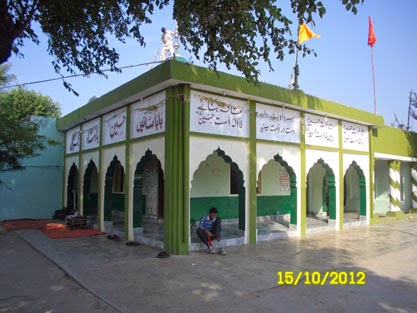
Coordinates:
[206,223]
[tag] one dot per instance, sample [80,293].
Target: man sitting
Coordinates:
[210,228]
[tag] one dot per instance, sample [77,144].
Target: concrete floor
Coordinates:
[108,276]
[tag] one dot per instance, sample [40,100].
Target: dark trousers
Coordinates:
[216,229]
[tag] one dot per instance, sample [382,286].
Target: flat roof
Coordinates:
[173,72]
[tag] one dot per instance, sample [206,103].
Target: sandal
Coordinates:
[163,255]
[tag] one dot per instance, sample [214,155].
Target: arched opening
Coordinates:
[90,192]
[354,193]
[276,197]
[218,182]
[114,196]
[72,189]
[321,194]
[148,197]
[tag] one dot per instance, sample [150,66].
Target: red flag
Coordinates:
[371,34]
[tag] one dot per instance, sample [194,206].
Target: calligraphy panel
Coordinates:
[218,115]
[321,131]
[355,137]
[91,134]
[148,116]
[73,140]
[273,123]
[114,127]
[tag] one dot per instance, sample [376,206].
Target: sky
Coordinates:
[341,72]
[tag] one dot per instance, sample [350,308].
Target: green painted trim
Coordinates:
[341,177]
[303,179]
[398,214]
[147,137]
[191,74]
[206,135]
[203,76]
[65,171]
[329,149]
[252,210]
[176,217]
[280,143]
[403,142]
[394,184]
[127,172]
[80,175]
[114,145]
[186,197]
[100,105]
[346,151]
[69,155]
[89,150]
[100,203]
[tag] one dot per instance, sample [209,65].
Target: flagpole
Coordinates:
[373,77]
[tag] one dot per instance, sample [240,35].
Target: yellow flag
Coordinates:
[305,33]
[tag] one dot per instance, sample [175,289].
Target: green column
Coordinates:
[341,177]
[252,170]
[303,179]
[176,192]
[127,175]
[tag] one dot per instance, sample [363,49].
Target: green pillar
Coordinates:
[127,176]
[303,178]
[176,191]
[252,170]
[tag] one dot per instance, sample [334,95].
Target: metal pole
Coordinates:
[373,77]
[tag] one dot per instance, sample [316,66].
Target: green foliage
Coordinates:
[6,78]
[19,134]
[20,104]
[234,32]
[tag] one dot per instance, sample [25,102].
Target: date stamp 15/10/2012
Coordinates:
[320,279]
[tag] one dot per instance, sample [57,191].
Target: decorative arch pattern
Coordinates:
[293,187]
[109,198]
[362,187]
[72,188]
[139,199]
[90,199]
[328,189]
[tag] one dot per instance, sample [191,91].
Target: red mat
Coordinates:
[59,231]
[50,229]
[25,223]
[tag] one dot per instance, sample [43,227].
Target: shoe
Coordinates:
[211,250]
[222,251]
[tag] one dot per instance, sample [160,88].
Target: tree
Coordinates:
[238,33]
[19,133]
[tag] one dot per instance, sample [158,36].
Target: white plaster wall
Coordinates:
[211,179]
[363,162]
[332,159]
[138,150]
[68,163]
[201,147]
[289,153]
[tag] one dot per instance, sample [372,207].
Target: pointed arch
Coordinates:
[72,188]
[113,195]
[223,178]
[139,197]
[90,189]
[328,189]
[293,188]
[360,185]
